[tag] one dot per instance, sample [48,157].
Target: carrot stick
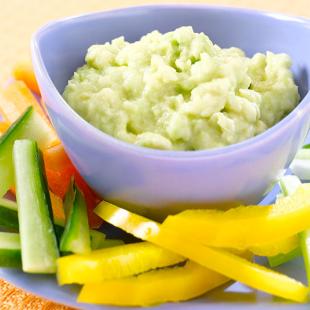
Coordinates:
[15,99]
[3,127]
[23,71]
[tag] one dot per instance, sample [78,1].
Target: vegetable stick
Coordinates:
[37,235]
[220,261]
[17,97]
[23,71]
[113,263]
[159,286]
[289,185]
[3,127]
[246,226]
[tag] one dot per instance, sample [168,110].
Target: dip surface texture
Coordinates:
[179,91]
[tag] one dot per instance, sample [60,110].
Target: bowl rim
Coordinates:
[51,91]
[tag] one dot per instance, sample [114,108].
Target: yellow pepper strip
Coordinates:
[155,287]
[220,261]
[112,263]
[246,227]
[281,247]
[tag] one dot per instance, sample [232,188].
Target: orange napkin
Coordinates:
[12,298]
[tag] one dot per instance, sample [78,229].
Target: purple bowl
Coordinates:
[157,182]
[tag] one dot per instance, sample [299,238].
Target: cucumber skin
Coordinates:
[10,258]
[8,219]
[76,236]
[16,131]
[59,230]
[38,240]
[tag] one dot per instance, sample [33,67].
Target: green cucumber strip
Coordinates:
[277,260]
[10,254]
[304,242]
[97,238]
[69,198]
[9,204]
[6,146]
[109,243]
[306,146]
[301,168]
[303,153]
[289,185]
[59,230]
[31,126]
[38,240]
[76,236]
[9,217]
[8,214]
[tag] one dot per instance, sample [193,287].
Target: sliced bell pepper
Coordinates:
[155,287]
[246,227]
[289,185]
[112,263]
[220,261]
[23,71]
[278,248]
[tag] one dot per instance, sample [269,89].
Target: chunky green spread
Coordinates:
[179,91]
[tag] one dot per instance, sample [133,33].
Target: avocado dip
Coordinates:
[179,91]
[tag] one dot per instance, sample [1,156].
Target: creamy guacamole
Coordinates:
[179,91]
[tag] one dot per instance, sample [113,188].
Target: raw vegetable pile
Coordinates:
[51,226]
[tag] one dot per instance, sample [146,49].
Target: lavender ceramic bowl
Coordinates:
[161,182]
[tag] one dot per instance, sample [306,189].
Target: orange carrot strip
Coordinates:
[59,170]
[56,158]
[16,98]
[3,127]
[58,208]
[23,71]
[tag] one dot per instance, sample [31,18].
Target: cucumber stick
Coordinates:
[8,214]
[9,218]
[280,259]
[38,240]
[30,126]
[109,243]
[76,236]
[9,221]
[10,254]
[96,239]
[289,185]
